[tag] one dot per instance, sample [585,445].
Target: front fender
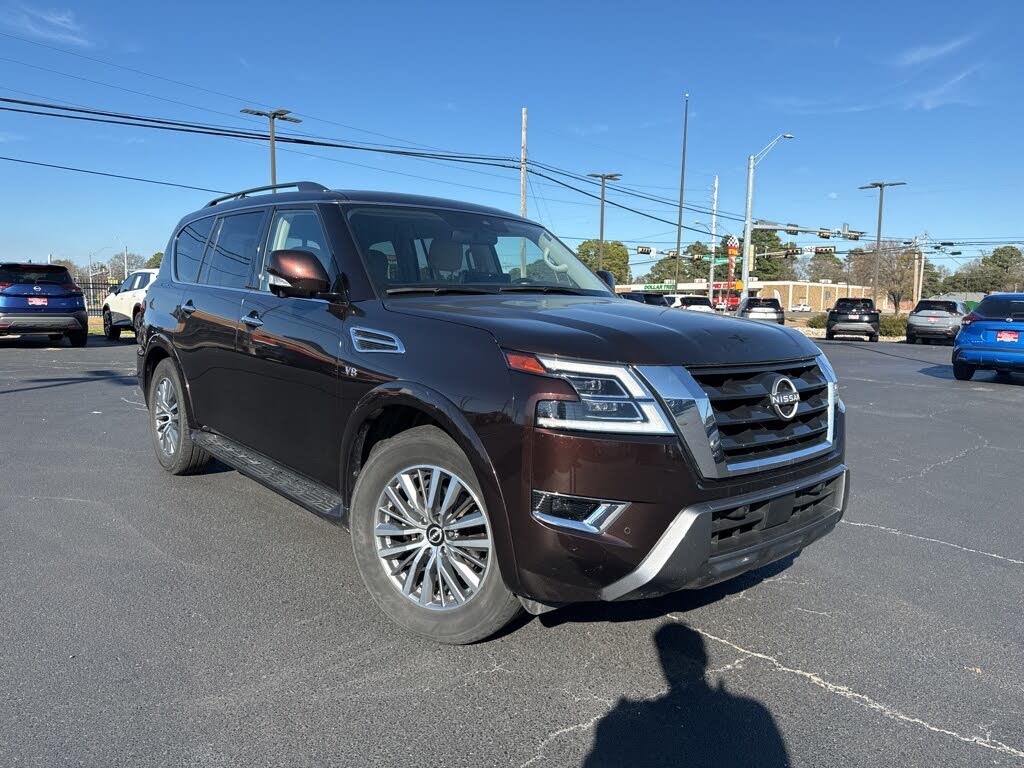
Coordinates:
[445,413]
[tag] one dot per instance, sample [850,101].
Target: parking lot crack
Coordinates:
[933,541]
[985,742]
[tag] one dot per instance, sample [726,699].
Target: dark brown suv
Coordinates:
[494,425]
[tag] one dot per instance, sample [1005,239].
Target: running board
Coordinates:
[314,496]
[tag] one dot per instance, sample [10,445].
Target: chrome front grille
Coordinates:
[749,428]
[726,418]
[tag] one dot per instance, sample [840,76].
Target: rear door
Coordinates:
[210,313]
[291,393]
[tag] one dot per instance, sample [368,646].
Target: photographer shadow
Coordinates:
[692,724]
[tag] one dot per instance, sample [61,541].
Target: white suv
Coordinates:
[123,306]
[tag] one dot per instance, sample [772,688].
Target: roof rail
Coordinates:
[301,186]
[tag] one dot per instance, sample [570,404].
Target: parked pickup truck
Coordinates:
[853,317]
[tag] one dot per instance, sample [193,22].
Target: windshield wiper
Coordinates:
[541,289]
[436,290]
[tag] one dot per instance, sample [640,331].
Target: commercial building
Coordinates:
[819,296]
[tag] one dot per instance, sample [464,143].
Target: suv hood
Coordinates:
[612,330]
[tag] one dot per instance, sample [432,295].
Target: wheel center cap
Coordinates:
[435,535]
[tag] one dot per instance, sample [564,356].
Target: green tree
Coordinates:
[616,258]
[934,278]
[825,266]
[153,262]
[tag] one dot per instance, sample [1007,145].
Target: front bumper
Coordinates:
[54,322]
[688,555]
[871,329]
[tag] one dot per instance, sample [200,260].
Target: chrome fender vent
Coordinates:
[369,340]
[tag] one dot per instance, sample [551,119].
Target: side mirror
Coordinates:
[115,289]
[302,272]
[607,277]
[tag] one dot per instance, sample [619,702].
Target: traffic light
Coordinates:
[671,254]
[794,229]
[795,251]
[824,249]
[851,235]
[644,250]
[824,234]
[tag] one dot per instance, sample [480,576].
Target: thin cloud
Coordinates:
[947,92]
[924,54]
[55,26]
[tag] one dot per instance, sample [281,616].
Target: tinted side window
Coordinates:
[144,278]
[235,245]
[188,249]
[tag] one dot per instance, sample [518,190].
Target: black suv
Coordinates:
[853,317]
[496,427]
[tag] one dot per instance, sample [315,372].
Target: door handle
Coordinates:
[188,307]
[252,320]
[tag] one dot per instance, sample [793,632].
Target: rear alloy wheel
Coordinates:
[963,371]
[112,332]
[169,423]
[423,540]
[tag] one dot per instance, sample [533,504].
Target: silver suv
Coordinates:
[767,310]
[935,319]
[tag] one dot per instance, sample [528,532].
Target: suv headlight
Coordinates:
[612,399]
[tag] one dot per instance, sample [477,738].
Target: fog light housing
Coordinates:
[576,512]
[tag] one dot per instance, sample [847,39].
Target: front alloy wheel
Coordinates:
[433,538]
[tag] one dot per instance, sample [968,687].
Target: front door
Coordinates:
[290,346]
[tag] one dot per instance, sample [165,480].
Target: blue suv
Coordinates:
[43,299]
[991,337]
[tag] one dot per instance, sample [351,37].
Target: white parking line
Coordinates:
[933,541]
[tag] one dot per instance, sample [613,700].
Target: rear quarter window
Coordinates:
[1002,307]
[188,249]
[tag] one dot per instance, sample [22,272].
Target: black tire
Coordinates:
[78,338]
[963,371]
[489,608]
[182,457]
[911,339]
[872,338]
[137,326]
[829,336]
[56,337]
[112,332]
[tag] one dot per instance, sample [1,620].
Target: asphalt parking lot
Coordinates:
[153,620]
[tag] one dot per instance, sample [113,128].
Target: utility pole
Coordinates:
[277,114]
[880,186]
[604,177]
[682,184]
[125,261]
[714,224]
[522,194]
[748,221]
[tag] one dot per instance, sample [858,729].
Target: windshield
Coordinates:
[694,301]
[33,274]
[408,250]
[1001,307]
[935,306]
[755,303]
[854,304]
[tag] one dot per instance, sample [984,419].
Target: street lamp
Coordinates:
[711,272]
[748,246]
[604,177]
[277,114]
[880,186]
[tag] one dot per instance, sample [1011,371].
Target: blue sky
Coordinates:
[928,93]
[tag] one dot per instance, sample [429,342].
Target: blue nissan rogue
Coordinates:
[43,299]
[991,337]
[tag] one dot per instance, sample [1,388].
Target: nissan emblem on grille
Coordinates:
[784,398]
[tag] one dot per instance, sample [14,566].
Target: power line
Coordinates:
[112,175]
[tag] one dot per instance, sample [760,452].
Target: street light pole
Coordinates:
[748,246]
[682,184]
[277,114]
[604,177]
[880,186]
[714,232]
